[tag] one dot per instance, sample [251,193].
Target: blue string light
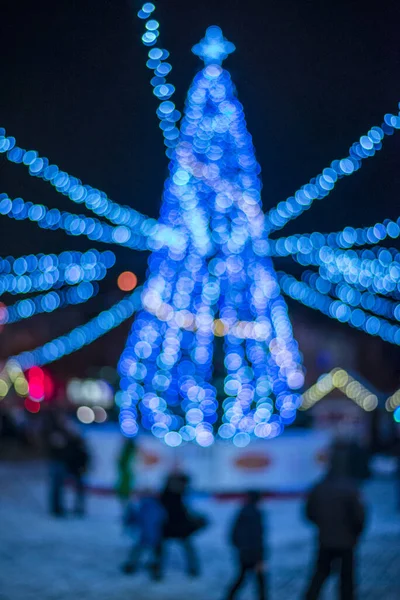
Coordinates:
[321,186]
[348,294]
[166,111]
[52,271]
[349,237]
[22,265]
[94,199]
[193,295]
[80,336]
[336,309]
[92,228]
[379,275]
[47,303]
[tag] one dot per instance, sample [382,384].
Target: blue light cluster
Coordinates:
[199,293]
[47,303]
[80,336]
[40,273]
[213,48]
[321,186]
[348,294]
[157,62]
[22,265]
[90,227]
[349,237]
[380,275]
[336,309]
[140,231]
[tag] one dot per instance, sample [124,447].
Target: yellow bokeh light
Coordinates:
[340,378]
[4,387]
[21,386]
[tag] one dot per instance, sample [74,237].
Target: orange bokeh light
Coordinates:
[127,281]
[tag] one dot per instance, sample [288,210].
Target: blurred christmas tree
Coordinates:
[217,284]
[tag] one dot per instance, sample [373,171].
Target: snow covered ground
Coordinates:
[43,558]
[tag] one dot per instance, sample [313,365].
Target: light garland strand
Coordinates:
[52,271]
[92,228]
[68,185]
[47,303]
[80,336]
[347,238]
[166,111]
[376,275]
[336,309]
[343,381]
[348,294]
[321,186]
[21,265]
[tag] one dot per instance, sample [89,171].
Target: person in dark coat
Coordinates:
[147,519]
[57,435]
[248,539]
[179,524]
[77,461]
[354,458]
[335,507]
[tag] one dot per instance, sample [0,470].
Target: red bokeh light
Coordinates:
[31,406]
[40,384]
[127,281]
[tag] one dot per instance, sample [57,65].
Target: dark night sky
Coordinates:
[312,76]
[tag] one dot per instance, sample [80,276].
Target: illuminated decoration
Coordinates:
[85,415]
[341,380]
[92,392]
[31,406]
[47,303]
[50,271]
[71,186]
[336,309]
[166,111]
[154,235]
[321,186]
[211,287]
[213,48]
[24,265]
[396,415]
[127,281]
[31,263]
[347,294]
[78,337]
[35,385]
[393,402]
[166,369]
[379,275]
[347,238]
[70,268]
[40,384]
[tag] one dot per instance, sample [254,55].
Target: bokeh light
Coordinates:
[127,281]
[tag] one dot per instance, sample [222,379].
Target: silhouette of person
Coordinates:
[57,441]
[77,462]
[335,507]
[148,519]
[247,537]
[180,524]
